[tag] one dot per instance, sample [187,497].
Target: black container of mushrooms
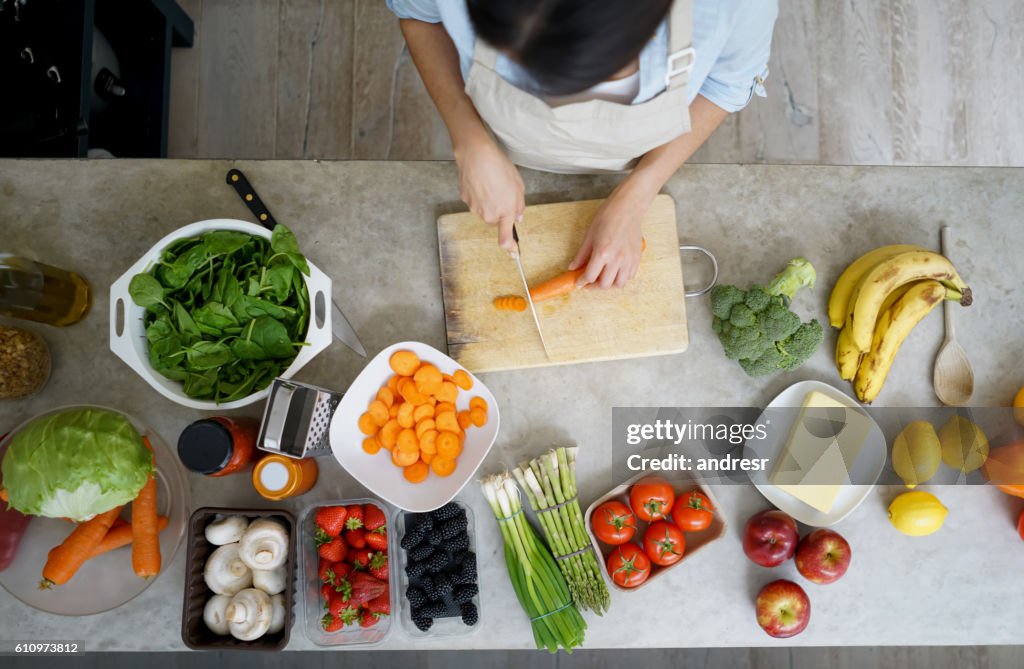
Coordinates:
[240,583]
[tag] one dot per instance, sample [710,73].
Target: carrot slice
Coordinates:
[423,426]
[393,411]
[411,394]
[407,441]
[447,444]
[367,425]
[464,419]
[371,445]
[428,378]
[442,466]
[423,412]
[478,416]
[379,412]
[416,472]
[462,379]
[447,421]
[449,392]
[388,434]
[478,402]
[393,384]
[442,407]
[404,362]
[428,442]
[510,303]
[386,396]
[405,413]
[404,458]
[426,457]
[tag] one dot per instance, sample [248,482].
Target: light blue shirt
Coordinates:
[732,39]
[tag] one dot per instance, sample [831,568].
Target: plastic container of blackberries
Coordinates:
[451,624]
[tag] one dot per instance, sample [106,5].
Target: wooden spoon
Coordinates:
[953,379]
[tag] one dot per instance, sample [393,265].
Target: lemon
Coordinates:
[917,513]
[916,453]
[964,444]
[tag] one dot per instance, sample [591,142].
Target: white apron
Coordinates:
[585,137]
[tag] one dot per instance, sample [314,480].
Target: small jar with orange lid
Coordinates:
[278,477]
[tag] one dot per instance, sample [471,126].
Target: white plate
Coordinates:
[867,467]
[130,343]
[376,472]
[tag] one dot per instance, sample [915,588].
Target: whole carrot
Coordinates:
[145,534]
[121,535]
[64,560]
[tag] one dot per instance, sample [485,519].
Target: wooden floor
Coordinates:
[937,82]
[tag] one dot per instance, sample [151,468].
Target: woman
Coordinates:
[584,86]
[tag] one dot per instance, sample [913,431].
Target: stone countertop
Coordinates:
[371,226]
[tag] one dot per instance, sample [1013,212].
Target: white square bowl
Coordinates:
[377,472]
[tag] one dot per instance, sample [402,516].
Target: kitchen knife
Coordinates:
[339,324]
[529,298]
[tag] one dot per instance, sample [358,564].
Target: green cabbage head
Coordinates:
[75,464]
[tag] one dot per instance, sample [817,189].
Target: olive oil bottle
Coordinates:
[43,293]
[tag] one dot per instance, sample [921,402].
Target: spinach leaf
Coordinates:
[201,385]
[205,355]
[214,315]
[224,242]
[186,326]
[279,278]
[146,291]
[283,242]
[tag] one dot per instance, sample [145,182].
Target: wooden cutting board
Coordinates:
[647,317]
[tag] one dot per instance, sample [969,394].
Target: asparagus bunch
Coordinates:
[549,482]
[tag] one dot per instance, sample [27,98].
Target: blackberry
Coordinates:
[416,530]
[470,616]
[437,562]
[417,598]
[468,568]
[415,569]
[423,623]
[435,610]
[447,512]
[459,543]
[453,527]
[465,556]
[427,584]
[461,578]
[443,585]
[435,539]
[421,553]
[465,593]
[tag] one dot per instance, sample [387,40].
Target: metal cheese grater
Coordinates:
[297,419]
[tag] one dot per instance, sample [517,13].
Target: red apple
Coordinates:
[770,538]
[783,609]
[823,556]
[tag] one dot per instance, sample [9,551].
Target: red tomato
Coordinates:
[693,512]
[628,566]
[613,523]
[664,543]
[651,498]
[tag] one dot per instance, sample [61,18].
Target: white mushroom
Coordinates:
[270,581]
[277,614]
[225,572]
[226,530]
[249,614]
[214,616]
[264,545]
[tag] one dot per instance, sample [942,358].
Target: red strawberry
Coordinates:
[331,623]
[379,566]
[331,519]
[356,538]
[360,559]
[377,539]
[336,603]
[373,518]
[380,605]
[341,571]
[325,567]
[326,590]
[368,619]
[334,550]
[365,588]
[355,517]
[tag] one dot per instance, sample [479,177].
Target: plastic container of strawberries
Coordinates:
[313,604]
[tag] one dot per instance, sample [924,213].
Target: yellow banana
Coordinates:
[893,327]
[839,301]
[847,356]
[868,297]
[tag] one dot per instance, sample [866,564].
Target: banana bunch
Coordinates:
[878,300]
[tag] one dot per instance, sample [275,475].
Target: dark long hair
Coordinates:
[568,45]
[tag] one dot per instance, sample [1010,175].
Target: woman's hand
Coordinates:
[491,186]
[611,249]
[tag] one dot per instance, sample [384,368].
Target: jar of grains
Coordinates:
[24,363]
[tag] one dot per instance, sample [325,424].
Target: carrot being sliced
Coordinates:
[404,362]
[564,283]
[462,379]
[145,535]
[442,466]
[120,534]
[64,560]
[416,472]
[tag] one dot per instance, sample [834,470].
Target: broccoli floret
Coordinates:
[756,327]
[723,299]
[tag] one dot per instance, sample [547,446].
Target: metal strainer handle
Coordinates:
[714,269]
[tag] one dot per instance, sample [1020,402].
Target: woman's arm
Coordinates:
[611,249]
[488,181]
